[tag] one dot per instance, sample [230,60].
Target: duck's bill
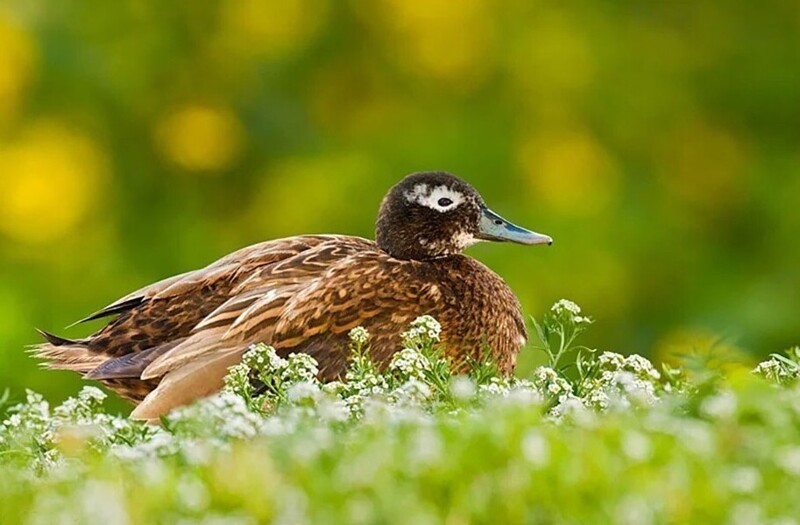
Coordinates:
[495,228]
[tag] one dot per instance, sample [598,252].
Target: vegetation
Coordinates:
[591,437]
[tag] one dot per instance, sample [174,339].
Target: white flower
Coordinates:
[788,459]
[496,387]
[566,306]
[636,446]
[776,371]
[535,448]
[422,329]
[14,421]
[359,336]
[547,380]
[333,411]
[642,367]
[744,480]
[263,357]
[301,367]
[304,391]
[413,392]
[91,393]
[611,360]
[463,388]
[409,363]
[719,406]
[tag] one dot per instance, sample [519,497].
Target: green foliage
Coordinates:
[657,144]
[615,441]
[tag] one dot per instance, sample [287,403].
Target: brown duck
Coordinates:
[173,341]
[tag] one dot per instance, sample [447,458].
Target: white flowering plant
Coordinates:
[589,437]
[781,368]
[559,329]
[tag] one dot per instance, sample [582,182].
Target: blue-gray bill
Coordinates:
[495,228]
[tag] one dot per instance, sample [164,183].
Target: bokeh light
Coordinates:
[200,138]
[18,56]
[52,175]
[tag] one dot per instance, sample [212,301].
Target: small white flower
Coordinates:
[91,393]
[634,510]
[496,387]
[746,513]
[409,363]
[413,392]
[463,388]
[304,391]
[566,306]
[300,368]
[333,411]
[642,367]
[548,381]
[722,405]
[788,459]
[744,480]
[636,446]
[359,336]
[535,449]
[422,329]
[611,360]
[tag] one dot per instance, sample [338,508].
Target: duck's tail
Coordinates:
[59,353]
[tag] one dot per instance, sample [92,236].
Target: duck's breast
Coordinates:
[480,315]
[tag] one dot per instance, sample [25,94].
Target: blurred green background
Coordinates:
[657,142]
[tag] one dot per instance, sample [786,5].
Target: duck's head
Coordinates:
[435,214]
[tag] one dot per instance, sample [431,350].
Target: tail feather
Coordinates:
[120,307]
[59,353]
[56,340]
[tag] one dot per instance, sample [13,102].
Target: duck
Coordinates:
[172,342]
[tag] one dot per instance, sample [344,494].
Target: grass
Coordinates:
[593,437]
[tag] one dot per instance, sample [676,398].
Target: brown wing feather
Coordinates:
[260,300]
[309,305]
[166,312]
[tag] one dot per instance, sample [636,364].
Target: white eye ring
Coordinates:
[439,198]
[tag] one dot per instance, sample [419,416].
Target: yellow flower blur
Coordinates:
[17,65]
[200,138]
[50,179]
[570,172]
[440,39]
[274,28]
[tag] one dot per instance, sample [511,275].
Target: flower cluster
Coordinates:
[617,379]
[424,330]
[781,369]
[565,309]
[408,364]
[551,384]
[359,337]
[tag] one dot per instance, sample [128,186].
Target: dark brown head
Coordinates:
[435,214]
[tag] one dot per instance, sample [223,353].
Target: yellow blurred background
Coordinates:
[657,142]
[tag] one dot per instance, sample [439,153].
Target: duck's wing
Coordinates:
[307,303]
[158,317]
[241,261]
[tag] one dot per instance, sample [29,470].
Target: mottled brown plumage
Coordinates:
[172,342]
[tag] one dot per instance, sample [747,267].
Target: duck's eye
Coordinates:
[444,202]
